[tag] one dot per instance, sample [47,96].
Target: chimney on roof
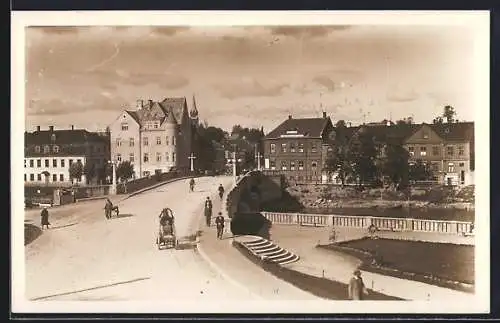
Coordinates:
[37,128]
[290,116]
[349,124]
[51,128]
[324,114]
[72,127]
[139,104]
[388,123]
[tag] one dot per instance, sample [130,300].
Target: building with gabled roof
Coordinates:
[156,136]
[294,148]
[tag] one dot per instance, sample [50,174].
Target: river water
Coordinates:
[415,213]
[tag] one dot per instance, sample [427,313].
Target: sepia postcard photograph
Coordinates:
[250,162]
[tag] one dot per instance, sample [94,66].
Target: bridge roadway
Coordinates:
[86,257]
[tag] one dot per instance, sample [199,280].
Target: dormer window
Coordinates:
[46,149]
[55,149]
[124,126]
[425,135]
[53,137]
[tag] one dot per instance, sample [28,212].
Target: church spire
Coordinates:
[194,111]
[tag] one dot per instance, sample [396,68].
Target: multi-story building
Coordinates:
[156,136]
[295,148]
[448,148]
[50,153]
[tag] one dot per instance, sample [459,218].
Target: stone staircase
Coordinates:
[265,249]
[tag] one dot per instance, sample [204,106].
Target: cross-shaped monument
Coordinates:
[192,158]
[258,156]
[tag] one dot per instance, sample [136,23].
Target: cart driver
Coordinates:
[166,221]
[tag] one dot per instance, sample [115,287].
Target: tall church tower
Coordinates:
[193,114]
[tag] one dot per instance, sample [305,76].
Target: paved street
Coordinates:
[88,257]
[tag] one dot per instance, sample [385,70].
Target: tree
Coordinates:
[89,170]
[419,171]
[395,164]
[408,120]
[362,154]
[338,159]
[449,113]
[76,170]
[124,171]
[340,124]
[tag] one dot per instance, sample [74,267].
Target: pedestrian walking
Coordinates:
[45,218]
[219,222]
[208,211]
[357,288]
[221,191]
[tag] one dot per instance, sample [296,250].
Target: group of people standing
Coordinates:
[219,220]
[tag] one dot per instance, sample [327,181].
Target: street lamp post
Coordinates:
[192,158]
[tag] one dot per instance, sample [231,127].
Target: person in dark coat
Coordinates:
[221,191]
[357,288]
[219,222]
[107,208]
[45,218]
[208,211]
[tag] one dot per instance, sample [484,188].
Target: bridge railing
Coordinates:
[362,222]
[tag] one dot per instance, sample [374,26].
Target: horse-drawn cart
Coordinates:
[166,237]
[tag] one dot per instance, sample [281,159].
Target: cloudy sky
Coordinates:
[249,75]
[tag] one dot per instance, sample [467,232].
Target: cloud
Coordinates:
[306,31]
[59,107]
[111,80]
[60,30]
[169,30]
[402,96]
[327,82]
[338,79]
[249,88]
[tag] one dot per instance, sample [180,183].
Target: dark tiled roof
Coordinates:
[395,132]
[171,109]
[176,104]
[310,127]
[461,131]
[134,115]
[62,137]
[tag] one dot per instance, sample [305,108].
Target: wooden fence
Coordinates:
[363,222]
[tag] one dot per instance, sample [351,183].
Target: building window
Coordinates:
[166,140]
[131,142]
[461,150]
[156,125]
[314,164]
[145,173]
[39,177]
[173,140]
[435,167]
[54,162]
[158,140]
[411,150]
[47,163]
[425,135]
[423,151]
[173,157]
[461,164]
[32,177]
[167,156]
[451,168]
[272,164]
[32,163]
[55,149]
[283,165]
[301,165]
[46,149]
[131,157]
[118,142]
[146,157]
[158,157]
[283,148]
[435,150]
[292,147]
[292,165]
[79,161]
[273,148]
[25,163]
[145,141]
[62,163]
[301,147]
[70,162]
[124,126]
[54,177]
[38,163]
[25,177]
[449,150]
[37,149]
[119,157]
[61,177]
[313,148]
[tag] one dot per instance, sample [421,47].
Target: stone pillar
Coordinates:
[112,190]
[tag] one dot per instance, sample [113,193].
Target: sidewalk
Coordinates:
[239,270]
